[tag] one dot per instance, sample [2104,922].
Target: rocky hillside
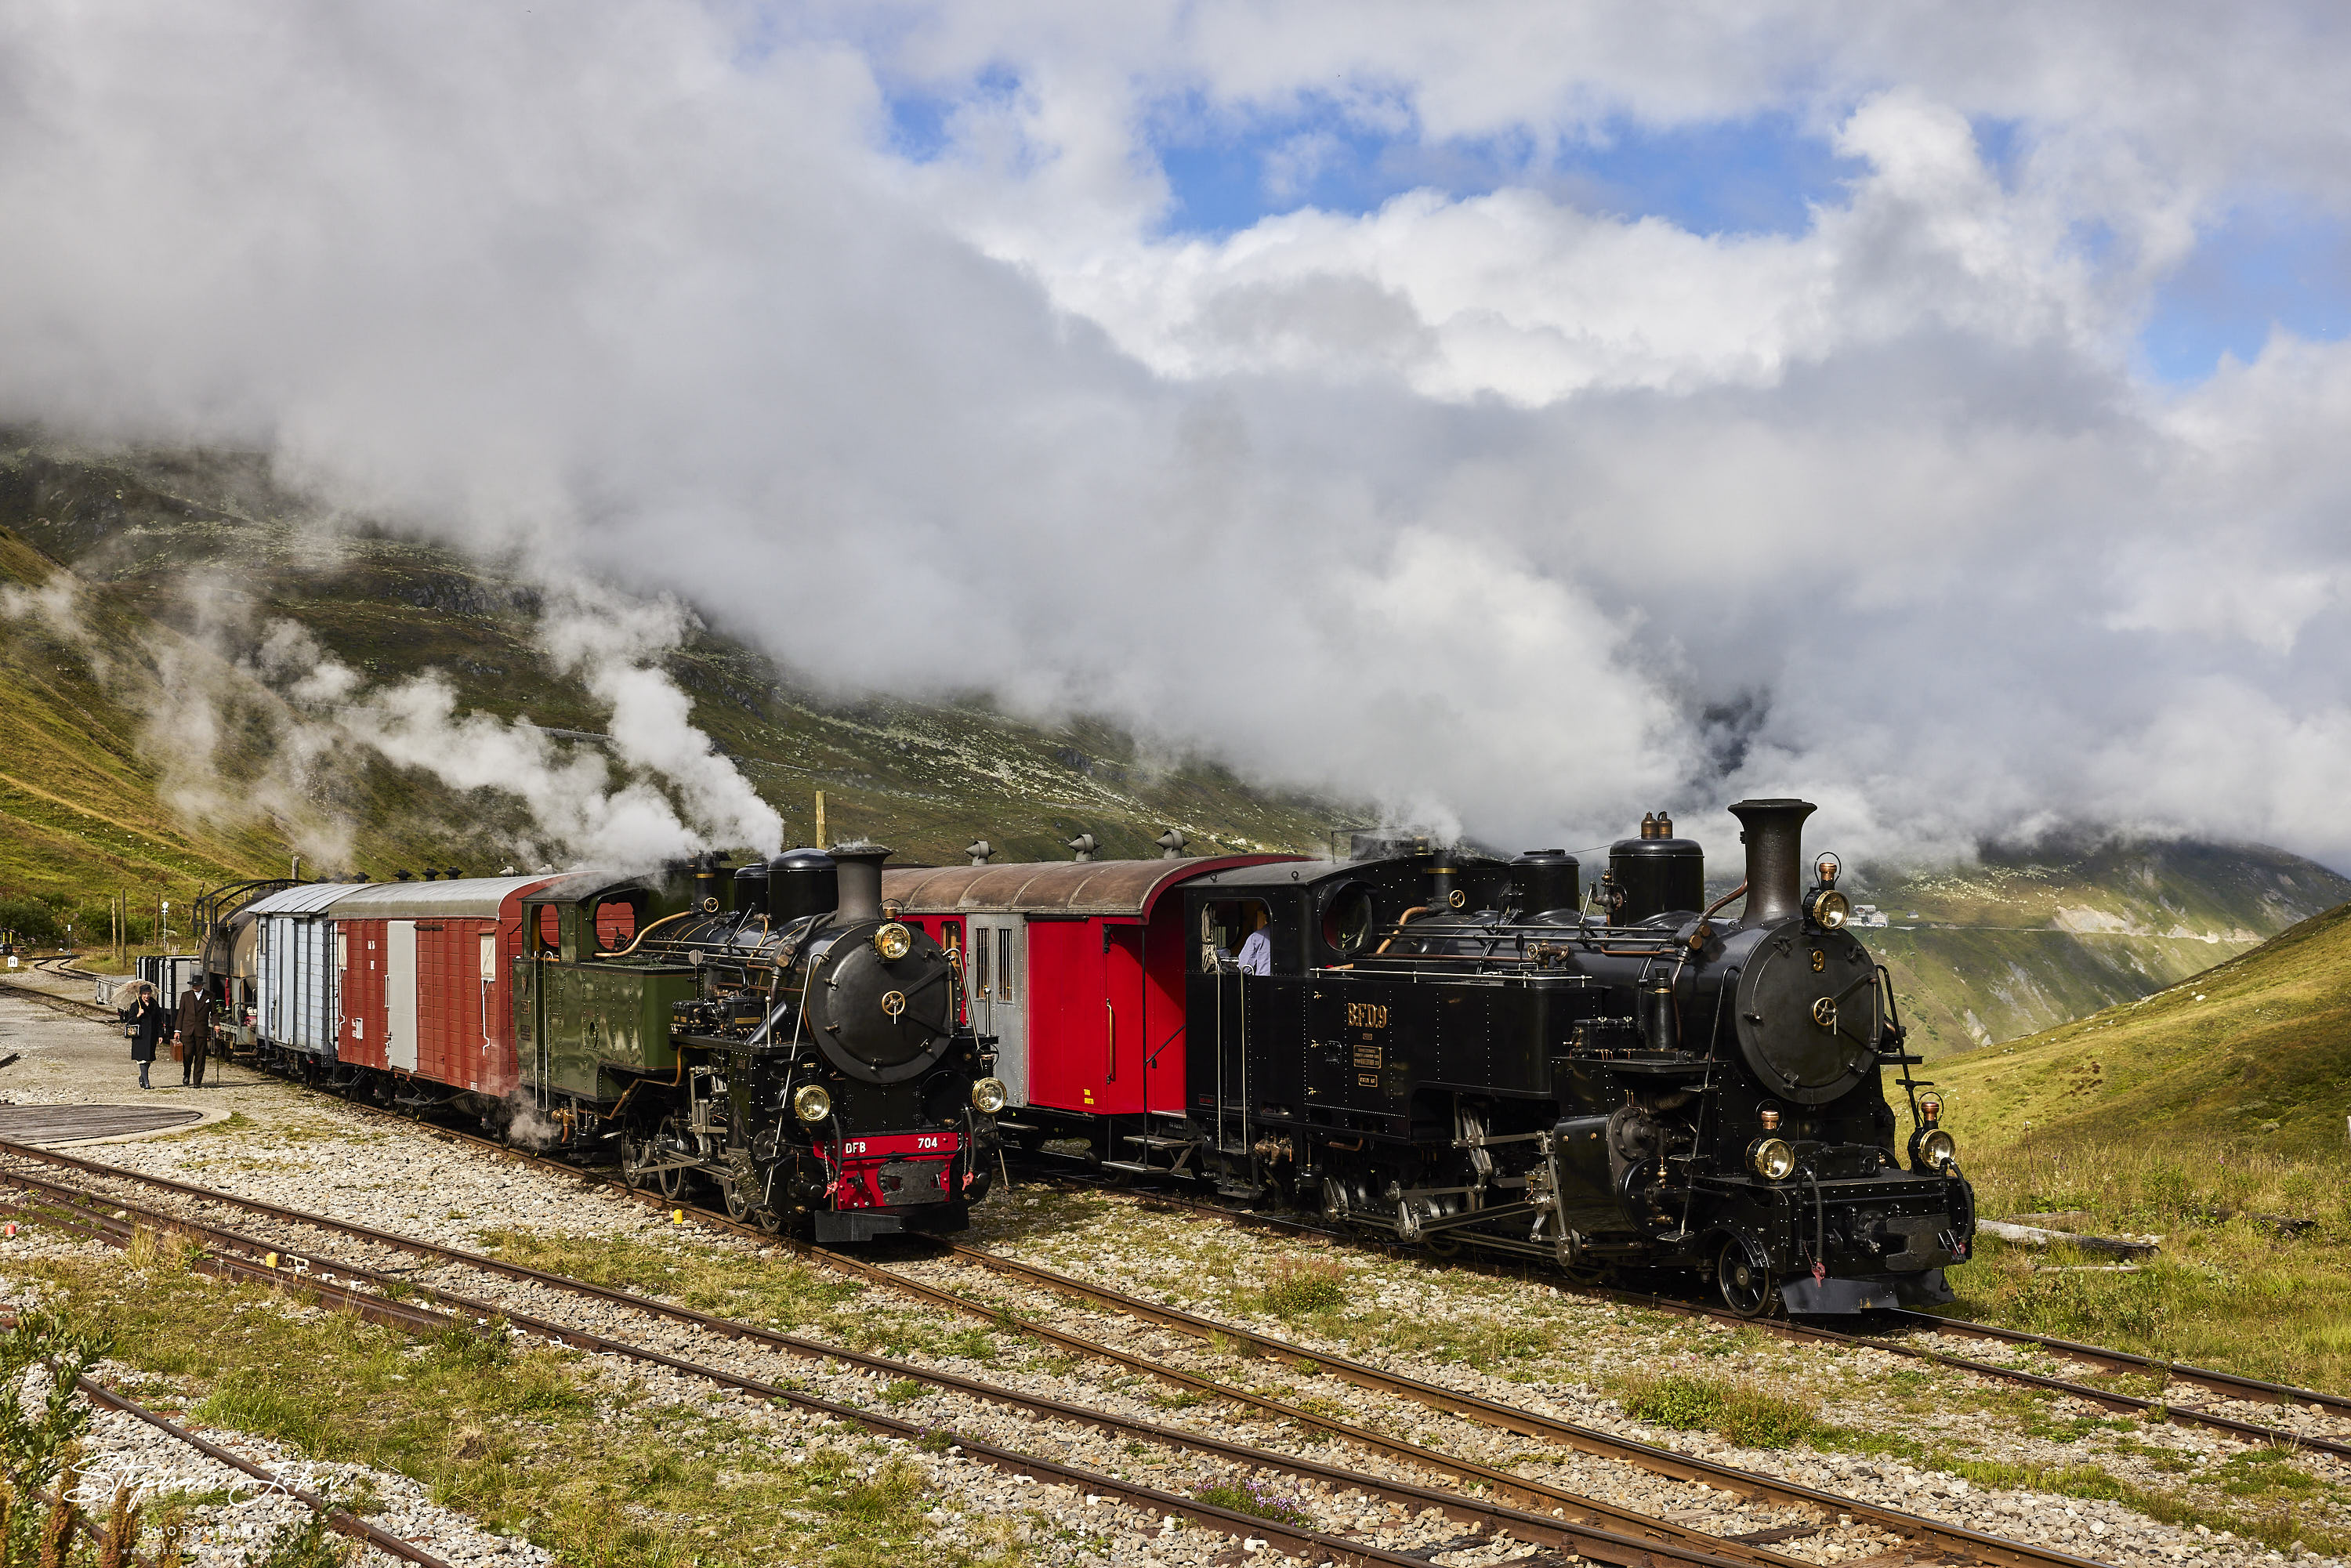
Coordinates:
[2014,945]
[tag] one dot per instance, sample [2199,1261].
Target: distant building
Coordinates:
[1867,915]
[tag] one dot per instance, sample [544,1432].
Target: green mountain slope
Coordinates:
[170,559]
[2257,1049]
[2014,945]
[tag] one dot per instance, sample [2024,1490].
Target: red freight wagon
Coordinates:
[427,979]
[1077,969]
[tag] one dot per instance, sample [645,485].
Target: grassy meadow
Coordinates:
[2214,1114]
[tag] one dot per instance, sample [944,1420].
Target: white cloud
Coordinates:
[1521,514]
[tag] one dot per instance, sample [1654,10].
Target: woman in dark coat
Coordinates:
[145,1024]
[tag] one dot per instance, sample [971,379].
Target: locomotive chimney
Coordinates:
[1773,832]
[859,881]
[1444,885]
[709,870]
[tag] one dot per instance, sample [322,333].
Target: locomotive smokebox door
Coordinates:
[882,1020]
[1809,1013]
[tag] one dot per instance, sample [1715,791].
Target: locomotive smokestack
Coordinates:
[1774,831]
[861,880]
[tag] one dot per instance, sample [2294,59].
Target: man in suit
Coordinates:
[195,1032]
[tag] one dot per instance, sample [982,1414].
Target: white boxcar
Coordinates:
[295,1006]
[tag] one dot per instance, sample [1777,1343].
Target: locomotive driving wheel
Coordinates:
[738,1206]
[1747,1288]
[635,1154]
[672,1179]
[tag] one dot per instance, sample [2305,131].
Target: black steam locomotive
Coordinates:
[826,1074]
[1456,1050]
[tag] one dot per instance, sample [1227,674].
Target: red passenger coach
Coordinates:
[426,972]
[1077,970]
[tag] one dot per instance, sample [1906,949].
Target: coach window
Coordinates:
[616,922]
[1004,962]
[980,968]
[550,929]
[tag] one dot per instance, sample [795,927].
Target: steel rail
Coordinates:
[2226,1383]
[373,1308]
[1608,1526]
[1657,1543]
[1660,1461]
[73,1005]
[340,1521]
[2252,1389]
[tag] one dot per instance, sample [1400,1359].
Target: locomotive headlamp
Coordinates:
[811,1103]
[1828,908]
[989,1095]
[893,941]
[1771,1158]
[1933,1149]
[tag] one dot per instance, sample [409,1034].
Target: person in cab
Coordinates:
[1257,951]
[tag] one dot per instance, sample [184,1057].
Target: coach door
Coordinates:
[995,974]
[1126,1040]
[400,994]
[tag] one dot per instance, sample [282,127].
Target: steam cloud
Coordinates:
[673,794]
[1523,515]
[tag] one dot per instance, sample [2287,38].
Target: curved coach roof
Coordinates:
[1051,887]
[308,898]
[477,898]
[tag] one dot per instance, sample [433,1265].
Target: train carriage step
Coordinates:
[1004,1127]
[1135,1168]
[1153,1141]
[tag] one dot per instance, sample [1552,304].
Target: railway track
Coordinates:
[2226,1384]
[339,1520]
[1542,1511]
[72,1006]
[336,1284]
[1641,1543]
[1619,1529]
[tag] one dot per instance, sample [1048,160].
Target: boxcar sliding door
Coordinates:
[400,994]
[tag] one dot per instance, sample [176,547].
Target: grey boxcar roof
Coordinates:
[309,898]
[1050,887]
[476,898]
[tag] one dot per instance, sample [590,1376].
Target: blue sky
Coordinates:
[2269,264]
[2273,262]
